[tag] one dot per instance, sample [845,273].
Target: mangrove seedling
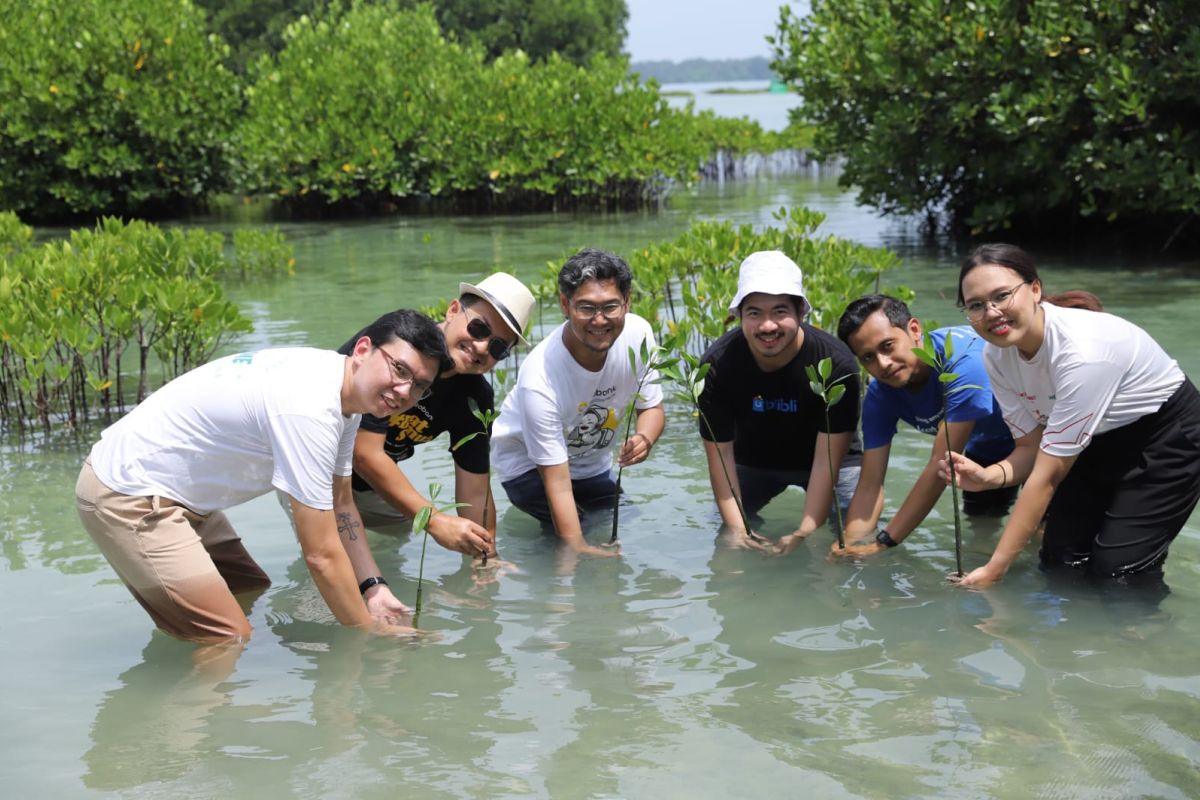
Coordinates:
[421,528]
[830,393]
[940,363]
[486,418]
[652,359]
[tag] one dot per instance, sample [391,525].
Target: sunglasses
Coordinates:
[479,329]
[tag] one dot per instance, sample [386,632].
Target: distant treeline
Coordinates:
[694,70]
[127,108]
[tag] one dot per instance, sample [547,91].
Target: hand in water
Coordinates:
[385,607]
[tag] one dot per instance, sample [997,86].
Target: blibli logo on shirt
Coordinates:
[787,405]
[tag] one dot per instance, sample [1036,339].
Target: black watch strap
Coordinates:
[885,538]
[369,582]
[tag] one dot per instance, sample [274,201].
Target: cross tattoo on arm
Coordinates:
[347,526]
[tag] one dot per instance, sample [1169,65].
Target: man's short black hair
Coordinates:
[413,327]
[592,264]
[857,313]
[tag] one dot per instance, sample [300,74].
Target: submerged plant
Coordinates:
[830,393]
[940,364]
[421,528]
[486,418]
[652,359]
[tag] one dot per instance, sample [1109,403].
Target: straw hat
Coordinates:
[512,300]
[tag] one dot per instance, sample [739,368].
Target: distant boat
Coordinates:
[777,87]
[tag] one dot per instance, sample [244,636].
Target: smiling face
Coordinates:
[1003,308]
[771,324]
[471,356]
[887,351]
[595,318]
[386,380]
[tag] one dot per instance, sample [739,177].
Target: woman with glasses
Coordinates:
[481,328]
[1106,426]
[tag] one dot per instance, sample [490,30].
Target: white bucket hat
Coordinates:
[512,300]
[770,272]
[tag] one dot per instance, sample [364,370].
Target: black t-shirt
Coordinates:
[773,418]
[444,410]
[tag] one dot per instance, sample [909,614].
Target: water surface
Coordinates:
[683,669]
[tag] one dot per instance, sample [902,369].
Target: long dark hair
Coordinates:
[1020,262]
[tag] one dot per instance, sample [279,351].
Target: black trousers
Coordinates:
[1129,493]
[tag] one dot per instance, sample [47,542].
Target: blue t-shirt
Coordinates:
[884,405]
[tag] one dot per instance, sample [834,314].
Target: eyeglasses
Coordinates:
[1000,301]
[405,376]
[479,329]
[589,310]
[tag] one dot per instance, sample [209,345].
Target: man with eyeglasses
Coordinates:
[553,442]
[481,328]
[882,333]
[152,491]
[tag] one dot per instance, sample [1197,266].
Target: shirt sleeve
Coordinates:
[843,415]
[1017,417]
[474,456]
[374,424]
[968,396]
[879,419]
[1083,392]
[542,427]
[307,453]
[715,417]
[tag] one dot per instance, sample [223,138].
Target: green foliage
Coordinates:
[643,361]
[486,418]
[110,106]
[373,105]
[14,234]
[576,30]
[254,28]
[421,528]
[1005,113]
[258,252]
[943,364]
[830,393]
[687,284]
[74,314]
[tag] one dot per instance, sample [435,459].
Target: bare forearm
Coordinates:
[354,540]
[651,422]
[329,563]
[472,489]
[722,477]
[921,499]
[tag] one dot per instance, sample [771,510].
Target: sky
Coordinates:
[674,30]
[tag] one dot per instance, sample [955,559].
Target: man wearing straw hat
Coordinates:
[481,328]
[767,425]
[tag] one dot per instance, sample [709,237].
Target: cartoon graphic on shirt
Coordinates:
[595,430]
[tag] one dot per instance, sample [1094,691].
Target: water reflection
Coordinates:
[682,668]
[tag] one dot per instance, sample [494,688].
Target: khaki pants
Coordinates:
[183,567]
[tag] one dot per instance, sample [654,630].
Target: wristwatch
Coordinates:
[885,538]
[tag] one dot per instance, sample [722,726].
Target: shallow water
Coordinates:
[682,669]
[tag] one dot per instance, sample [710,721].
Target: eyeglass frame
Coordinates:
[1000,305]
[486,333]
[616,305]
[400,370]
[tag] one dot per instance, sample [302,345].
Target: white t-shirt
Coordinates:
[560,412]
[233,429]
[1093,373]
